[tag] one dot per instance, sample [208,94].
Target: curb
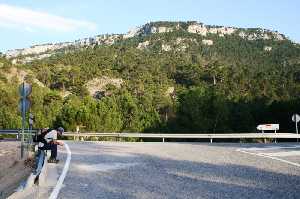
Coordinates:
[31,180]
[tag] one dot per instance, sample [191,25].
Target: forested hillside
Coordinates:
[169,81]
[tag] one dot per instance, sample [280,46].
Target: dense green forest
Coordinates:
[230,86]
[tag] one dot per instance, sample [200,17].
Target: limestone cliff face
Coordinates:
[37,49]
[46,50]
[249,34]
[204,30]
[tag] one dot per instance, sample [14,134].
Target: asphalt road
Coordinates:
[180,170]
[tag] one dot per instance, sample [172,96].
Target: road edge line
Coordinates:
[61,179]
[270,157]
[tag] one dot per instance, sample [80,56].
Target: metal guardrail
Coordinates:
[175,136]
[16,132]
[9,131]
[190,136]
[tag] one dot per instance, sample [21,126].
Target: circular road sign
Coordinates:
[296,118]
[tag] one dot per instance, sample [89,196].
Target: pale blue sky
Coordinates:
[28,22]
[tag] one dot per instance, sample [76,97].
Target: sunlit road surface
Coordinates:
[181,170]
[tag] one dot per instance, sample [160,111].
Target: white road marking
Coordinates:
[283,154]
[270,157]
[61,179]
[270,148]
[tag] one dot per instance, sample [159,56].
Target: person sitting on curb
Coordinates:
[48,141]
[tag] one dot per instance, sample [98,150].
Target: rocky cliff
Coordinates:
[46,50]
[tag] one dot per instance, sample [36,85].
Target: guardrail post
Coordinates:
[211,140]
[163,139]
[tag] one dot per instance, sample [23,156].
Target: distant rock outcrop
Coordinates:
[268,48]
[204,30]
[166,47]
[37,49]
[207,42]
[143,45]
[48,48]
[98,85]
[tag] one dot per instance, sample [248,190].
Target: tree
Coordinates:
[201,110]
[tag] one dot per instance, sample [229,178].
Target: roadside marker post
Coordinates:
[296,119]
[31,121]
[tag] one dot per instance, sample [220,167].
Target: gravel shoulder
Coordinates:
[12,169]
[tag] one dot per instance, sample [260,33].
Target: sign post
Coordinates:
[24,105]
[296,119]
[31,121]
[268,127]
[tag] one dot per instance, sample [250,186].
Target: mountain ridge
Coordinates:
[145,30]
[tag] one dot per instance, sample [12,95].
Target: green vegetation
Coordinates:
[230,86]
